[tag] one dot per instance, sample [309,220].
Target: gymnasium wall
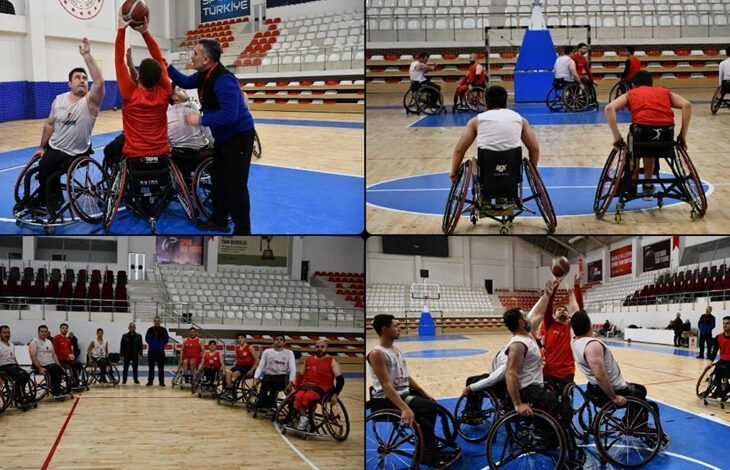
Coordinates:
[313,7]
[343,254]
[658,316]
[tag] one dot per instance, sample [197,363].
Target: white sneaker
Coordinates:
[303,425]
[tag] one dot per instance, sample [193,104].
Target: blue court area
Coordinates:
[571,190]
[424,338]
[283,200]
[442,353]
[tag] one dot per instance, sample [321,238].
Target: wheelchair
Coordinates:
[618,180]
[325,419]
[718,99]
[42,385]
[203,387]
[496,191]
[476,414]
[93,373]
[473,100]
[82,379]
[569,96]
[178,380]
[8,394]
[146,185]
[84,186]
[252,404]
[242,392]
[620,88]
[422,97]
[709,387]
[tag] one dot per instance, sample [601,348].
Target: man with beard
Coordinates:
[318,374]
[64,351]
[9,365]
[276,371]
[475,76]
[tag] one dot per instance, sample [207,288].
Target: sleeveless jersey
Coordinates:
[556,338]
[531,371]
[243,355]
[472,75]
[416,75]
[99,349]
[7,354]
[72,125]
[319,372]
[562,68]
[191,347]
[499,129]
[395,364]
[212,360]
[724,342]
[612,369]
[651,106]
[44,352]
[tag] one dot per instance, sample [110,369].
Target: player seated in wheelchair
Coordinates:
[190,143]
[493,381]
[565,71]
[652,121]
[276,372]
[247,360]
[46,363]
[584,72]
[64,352]
[394,388]
[12,371]
[721,374]
[417,73]
[212,365]
[321,374]
[724,75]
[98,353]
[476,76]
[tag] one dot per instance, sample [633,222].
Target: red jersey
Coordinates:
[633,65]
[319,372]
[144,112]
[62,347]
[556,337]
[581,66]
[472,78]
[724,342]
[243,355]
[212,360]
[191,347]
[651,106]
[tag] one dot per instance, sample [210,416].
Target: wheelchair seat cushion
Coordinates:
[415,85]
[651,141]
[559,83]
[725,86]
[500,172]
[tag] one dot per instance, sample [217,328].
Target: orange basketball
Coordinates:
[135,11]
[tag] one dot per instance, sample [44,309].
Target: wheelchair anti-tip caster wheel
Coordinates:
[504,231]
[618,217]
[660,203]
[473,218]
[693,215]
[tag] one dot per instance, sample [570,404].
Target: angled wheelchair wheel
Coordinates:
[554,99]
[628,436]
[391,444]
[113,198]
[476,100]
[473,422]
[620,88]
[540,194]
[715,103]
[692,182]
[179,378]
[608,183]
[6,392]
[257,149]
[409,102]
[445,429]
[203,188]
[335,418]
[286,415]
[40,385]
[583,411]
[26,187]
[86,186]
[112,373]
[575,98]
[516,442]
[180,191]
[429,100]
[457,196]
[705,385]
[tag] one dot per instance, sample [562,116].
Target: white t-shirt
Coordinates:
[612,369]
[99,350]
[531,371]
[416,75]
[7,354]
[724,70]
[562,68]
[395,364]
[499,129]
[275,362]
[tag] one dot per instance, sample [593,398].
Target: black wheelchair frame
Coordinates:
[617,180]
[718,99]
[242,392]
[324,418]
[707,388]
[620,88]
[423,98]
[8,394]
[569,96]
[93,373]
[204,388]
[473,100]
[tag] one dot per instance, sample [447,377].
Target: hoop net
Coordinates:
[425,291]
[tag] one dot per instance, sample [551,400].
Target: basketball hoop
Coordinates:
[425,296]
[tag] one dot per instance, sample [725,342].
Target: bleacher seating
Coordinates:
[349,287]
[455,301]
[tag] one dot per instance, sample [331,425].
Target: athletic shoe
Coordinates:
[648,192]
[700,356]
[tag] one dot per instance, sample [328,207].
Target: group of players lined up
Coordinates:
[517,374]
[156,116]
[272,372]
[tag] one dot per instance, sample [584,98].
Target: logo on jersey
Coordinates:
[501,168]
[82,9]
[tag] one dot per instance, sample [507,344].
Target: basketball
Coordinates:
[560,266]
[135,11]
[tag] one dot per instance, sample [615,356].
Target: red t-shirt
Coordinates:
[556,339]
[472,75]
[243,355]
[634,66]
[651,106]
[724,342]
[318,372]
[581,66]
[191,348]
[62,347]
[212,360]
[144,112]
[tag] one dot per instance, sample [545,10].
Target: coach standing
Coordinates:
[131,351]
[706,324]
[226,114]
[156,339]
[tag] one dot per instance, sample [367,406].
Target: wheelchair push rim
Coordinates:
[474,426]
[389,444]
[21,179]
[409,102]
[608,182]
[706,380]
[554,100]
[429,100]
[335,418]
[86,186]
[715,103]
[540,195]
[456,198]
[693,184]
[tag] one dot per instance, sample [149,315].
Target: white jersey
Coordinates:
[99,349]
[612,369]
[72,125]
[182,135]
[7,354]
[531,371]
[275,362]
[562,68]
[724,70]
[499,129]
[395,364]
[44,352]
[416,75]
[497,372]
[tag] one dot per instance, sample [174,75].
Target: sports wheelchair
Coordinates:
[94,376]
[83,183]
[8,394]
[620,88]
[241,392]
[718,99]
[253,402]
[203,387]
[178,380]
[619,177]
[496,191]
[569,96]
[324,417]
[476,413]
[473,100]
[713,385]
[42,385]
[422,97]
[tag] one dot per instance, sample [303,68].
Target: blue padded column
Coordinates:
[534,68]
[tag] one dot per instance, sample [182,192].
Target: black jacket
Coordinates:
[678,325]
[131,345]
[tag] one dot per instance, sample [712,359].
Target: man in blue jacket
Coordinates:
[156,339]
[706,324]
[226,114]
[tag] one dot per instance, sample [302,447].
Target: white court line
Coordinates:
[404,190]
[288,442]
[701,415]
